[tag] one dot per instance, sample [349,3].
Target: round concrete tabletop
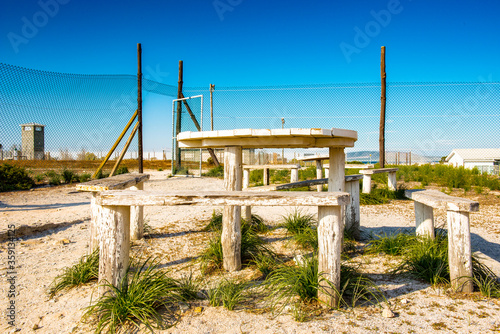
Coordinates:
[268,138]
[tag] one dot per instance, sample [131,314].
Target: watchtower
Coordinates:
[33,141]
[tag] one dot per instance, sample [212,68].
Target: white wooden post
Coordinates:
[246,211]
[352,213]
[319,174]
[460,251]
[114,245]
[367,183]
[391,181]
[137,217]
[246,178]
[231,216]
[95,213]
[265,179]
[294,175]
[327,171]
[330,232]
[424,220]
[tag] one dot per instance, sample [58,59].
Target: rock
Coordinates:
[64,241]
[387,313]
[405,301]
[183,306]
[35,327]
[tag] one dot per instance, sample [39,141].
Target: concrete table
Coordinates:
[330,227]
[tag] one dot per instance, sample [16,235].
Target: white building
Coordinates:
[485,159]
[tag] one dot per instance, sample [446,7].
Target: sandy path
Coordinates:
[41,256]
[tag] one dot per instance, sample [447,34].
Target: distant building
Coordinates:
[485,159]
[32,141]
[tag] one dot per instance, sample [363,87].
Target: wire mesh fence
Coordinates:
[48,117]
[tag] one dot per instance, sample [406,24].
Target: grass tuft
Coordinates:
[86,270]
[136,300]
[227,293]
[392,244]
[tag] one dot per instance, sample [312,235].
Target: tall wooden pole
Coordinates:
[382,111]
[178,119]
[139,104]
[212,87]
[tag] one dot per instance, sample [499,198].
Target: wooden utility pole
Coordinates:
[178,117]
[212,87]
[139,104]
[382,111]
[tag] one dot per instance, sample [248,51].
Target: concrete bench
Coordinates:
[294,174]
[131,181]
[459,241]
[115,206]
[352,211]
[367,178]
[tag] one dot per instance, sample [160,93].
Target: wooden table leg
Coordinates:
[331,233]
[319,174]
[137,217]
[114,245]
[460,251]
[231,216]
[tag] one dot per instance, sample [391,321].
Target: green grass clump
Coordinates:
[188,287]
[256,223]
[215,172]
[180,171]
[279,176]
[136,300]
[427,259]
[227,293]
[14,178]
[308,173]
[69,176]
[485,280]
[86,270]
[297,221]
[85,177]
[393,244]
[266,263]
[252,246]
[301,281]
[256,176]
[122,170]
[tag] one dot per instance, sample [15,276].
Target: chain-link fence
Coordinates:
[67,117]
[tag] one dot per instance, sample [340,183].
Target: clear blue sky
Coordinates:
[253,43]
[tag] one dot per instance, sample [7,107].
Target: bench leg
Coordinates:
[231,215]
[319,174]
[424,220]
[246,178]
[352,212]
[391,181]
[266,177]
[137,217]
[327,172]
[95,213]
[246,213]
[367,184]
[460,251]
[330,235]
[294,175]
[114,245]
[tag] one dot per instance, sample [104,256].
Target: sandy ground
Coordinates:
[52,232]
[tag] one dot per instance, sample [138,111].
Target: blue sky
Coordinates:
[255,43]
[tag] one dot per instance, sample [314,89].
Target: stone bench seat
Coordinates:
[459,240]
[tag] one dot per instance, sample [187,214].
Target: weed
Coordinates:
[39,177]
[135,300]
[69,176]
[393,244]
[256,223]
[266,263]
[215,172]
[55,180]
[297,221]
[86,270]
[227,293]
[188,287]
[14,178]
[85,177]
